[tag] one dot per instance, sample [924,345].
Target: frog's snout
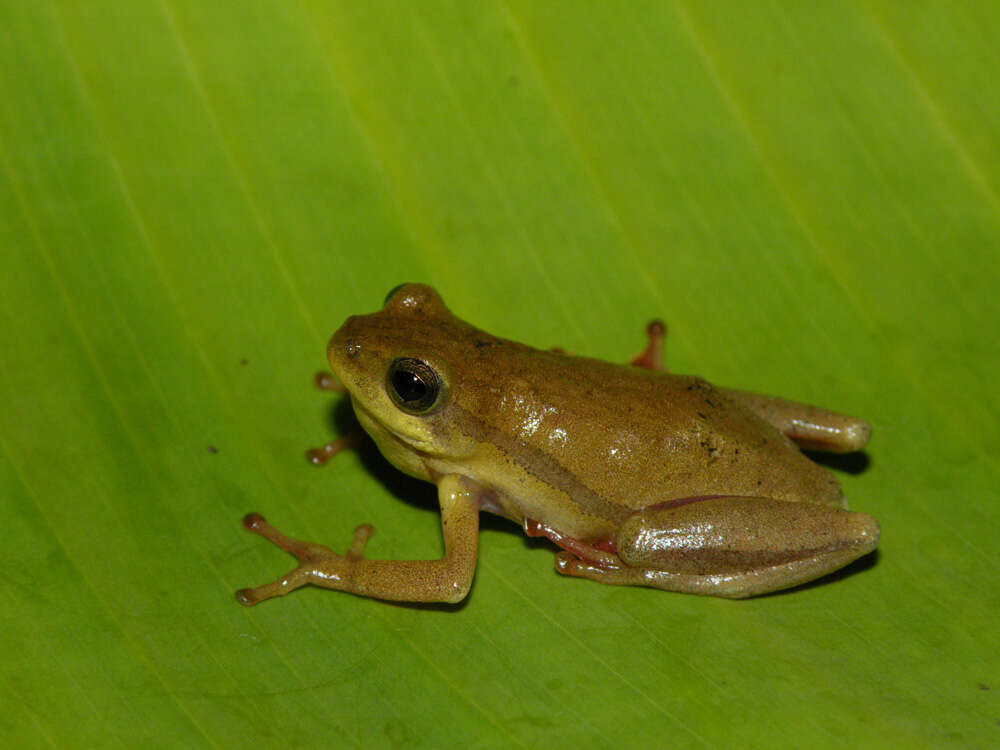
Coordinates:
[344,345]
[344,341]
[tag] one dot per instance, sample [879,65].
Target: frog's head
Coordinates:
[403,367]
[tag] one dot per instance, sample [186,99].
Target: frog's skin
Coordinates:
[641,477]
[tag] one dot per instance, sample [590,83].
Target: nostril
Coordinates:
[353,348]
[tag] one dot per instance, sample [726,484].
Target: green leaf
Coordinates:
[193,196]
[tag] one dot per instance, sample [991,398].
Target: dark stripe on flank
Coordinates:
[543,465]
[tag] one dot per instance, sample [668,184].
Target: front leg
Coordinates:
[444,580]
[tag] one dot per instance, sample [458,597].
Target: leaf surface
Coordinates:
[194,196]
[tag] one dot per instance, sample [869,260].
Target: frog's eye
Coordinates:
[413,385]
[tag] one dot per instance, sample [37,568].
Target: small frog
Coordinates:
[640,476]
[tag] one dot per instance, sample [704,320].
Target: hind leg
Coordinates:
[729,546]
[809,427]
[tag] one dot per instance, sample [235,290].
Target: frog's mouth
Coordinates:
[403,452]
[381,433]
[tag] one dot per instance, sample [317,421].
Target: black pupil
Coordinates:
[408,386]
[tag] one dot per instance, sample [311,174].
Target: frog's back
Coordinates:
[619,438]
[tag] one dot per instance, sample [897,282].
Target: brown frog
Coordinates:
[640,476]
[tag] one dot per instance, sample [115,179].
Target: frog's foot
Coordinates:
[317,563]
[568,564]
[652,356]
[600,554]
[319,456]
[327,381]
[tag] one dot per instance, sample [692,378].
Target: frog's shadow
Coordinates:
[849,463]
[423,495]
[402,486]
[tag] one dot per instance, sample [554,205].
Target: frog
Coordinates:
[639,476]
